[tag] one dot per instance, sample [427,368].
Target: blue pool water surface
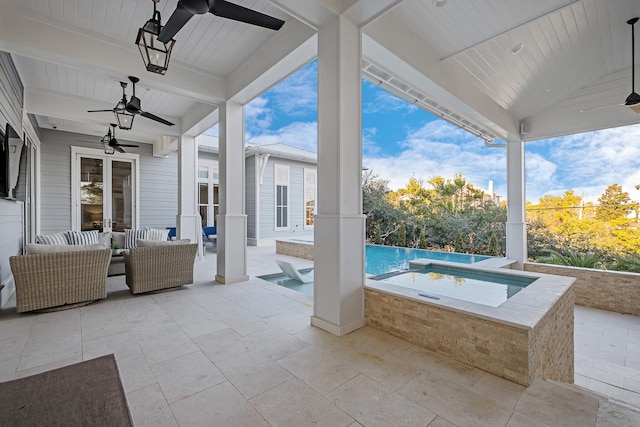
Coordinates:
[384,259]
[480,287]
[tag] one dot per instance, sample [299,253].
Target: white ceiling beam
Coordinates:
[363,12]
[316,13]
[199,119]
[40,37]
[311,12]
[57,105]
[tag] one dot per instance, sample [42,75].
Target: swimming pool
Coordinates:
[385,259]
[481,287]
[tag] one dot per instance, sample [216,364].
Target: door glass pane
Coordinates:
[121,195]
[91,191]
[203,193]
[216,195]
[202,210]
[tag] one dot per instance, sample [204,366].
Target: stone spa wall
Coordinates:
[528,336]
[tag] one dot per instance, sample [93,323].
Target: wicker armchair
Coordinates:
[58,281]
[159,268]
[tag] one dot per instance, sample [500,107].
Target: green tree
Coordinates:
[458,243]
[422,241]
[614,203]
[377,238]
[402,236]
[377,208]
[493,246]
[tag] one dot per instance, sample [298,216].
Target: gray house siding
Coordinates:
[296,201]
[250,195]
[158,192]
[11,213]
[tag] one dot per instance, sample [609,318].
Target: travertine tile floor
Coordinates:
[245,355]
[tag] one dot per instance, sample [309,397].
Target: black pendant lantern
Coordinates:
[155,54]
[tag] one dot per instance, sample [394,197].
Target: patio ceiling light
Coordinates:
[105,143]
[123,117]
[155,54]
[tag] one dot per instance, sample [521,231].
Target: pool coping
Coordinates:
[524,310]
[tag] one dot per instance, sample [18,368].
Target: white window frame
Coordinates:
[310,172]
[286,170]
[212,181]
[134,159]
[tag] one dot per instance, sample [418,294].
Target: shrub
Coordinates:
[493,246]
[458,243]
[402,236]
[377,238]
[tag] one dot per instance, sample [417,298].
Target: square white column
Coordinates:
[516,226]
[231,221]
[188,225]
[338,304]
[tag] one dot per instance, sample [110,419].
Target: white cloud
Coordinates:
[369,145]
[441,149]
[588,163]
[298,134]
[257,115]
[298,94]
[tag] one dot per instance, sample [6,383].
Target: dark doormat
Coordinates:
[88,393]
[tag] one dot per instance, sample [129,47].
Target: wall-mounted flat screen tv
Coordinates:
[12,148]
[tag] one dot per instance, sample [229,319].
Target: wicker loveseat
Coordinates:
[159,266]
[60,280]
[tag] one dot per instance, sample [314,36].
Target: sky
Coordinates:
[400,141]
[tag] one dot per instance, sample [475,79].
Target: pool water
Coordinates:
[282,280]
[480,287]
[380,260]
[384,259]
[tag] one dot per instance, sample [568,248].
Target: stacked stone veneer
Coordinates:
[607,290]
[516,353]
[296,249]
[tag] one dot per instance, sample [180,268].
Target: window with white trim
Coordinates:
[282,196]
[208,192]
[309,197]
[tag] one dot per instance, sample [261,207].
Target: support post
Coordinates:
[188,225]
[516,226]
[338,302]
[232,221]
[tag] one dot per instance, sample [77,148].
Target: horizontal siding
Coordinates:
[158,177]
[296,201]
[250,195]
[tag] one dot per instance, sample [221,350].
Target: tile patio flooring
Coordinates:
[245,355]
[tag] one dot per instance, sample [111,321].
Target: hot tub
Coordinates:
[528,335]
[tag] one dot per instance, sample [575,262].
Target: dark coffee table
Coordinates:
[116,268]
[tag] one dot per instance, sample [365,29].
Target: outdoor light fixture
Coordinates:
[155,54]
[123,117]
[108,149]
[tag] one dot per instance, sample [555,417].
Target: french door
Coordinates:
[105,190]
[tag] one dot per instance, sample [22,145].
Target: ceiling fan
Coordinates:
[187,8]
[111,141]
[131,107]
[633,100]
